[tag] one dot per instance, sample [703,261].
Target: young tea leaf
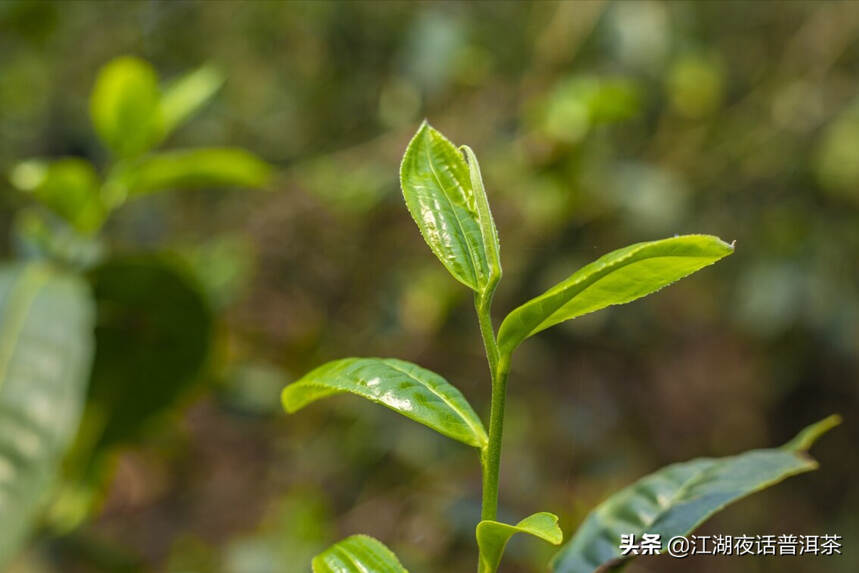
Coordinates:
[677,499]
[447,201]
[125,106]
[404,387]
[616,278]
[185,96]
[69,187]
[46,320]
[357,554]
[193,168]
[492,536]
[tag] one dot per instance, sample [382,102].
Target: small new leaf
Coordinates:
[492,536]
[69,187]
[677,499]
[414,392]
[357,554]
[125,106]
[192,168]
[446,198]
[186,95]
[616,278]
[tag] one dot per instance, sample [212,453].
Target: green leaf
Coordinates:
[492,536]
[186,95]
[69,187]
[191,168]
[45,352]
[404,387]
[125,106]
[357,554]
[677,499]
[616,278]
[153,338]
[40,235]
[447,201]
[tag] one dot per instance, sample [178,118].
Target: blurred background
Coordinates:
[597,124]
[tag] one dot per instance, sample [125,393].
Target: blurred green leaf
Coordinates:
[492,536]
[448,203]
[185,96]
[125,106]
[837,166]
[414,392]
[45,353]
[153,333]
[222,266]
[69,187]
[677,499]
[695,85]
[578,103]
[357,554]
[616,278]
[192,168]
[38,234]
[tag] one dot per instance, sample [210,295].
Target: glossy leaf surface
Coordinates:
[125,106]
[414,392]
[678,498]
[616,278]
[191,168]
[449,205]
[492,536]
[69,187]
[46,346]
[357,554]
[185,96]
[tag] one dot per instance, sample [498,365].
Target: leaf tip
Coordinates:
[286,400]
[806,438]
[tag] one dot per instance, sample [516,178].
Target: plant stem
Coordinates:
[499,367]
[492,456]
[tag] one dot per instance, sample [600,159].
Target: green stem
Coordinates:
[492,454]
[499,367]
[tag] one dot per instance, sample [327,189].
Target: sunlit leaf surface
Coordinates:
[414,392]
[616,278]
[678,498]
[69,187]
[185,96]
[125,106]
[448,203]
[46,346]
[357,554]
[192,168]
[492,536]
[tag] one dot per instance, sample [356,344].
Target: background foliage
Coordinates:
[597,124]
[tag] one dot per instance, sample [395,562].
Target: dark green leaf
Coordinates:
[404,387]
[357,554]
[154,331]
[616,278]
[191,168]
[448,203]
[125,106]
[186,95]
[677,499]
[492,536]
[69,187]
[45,353]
